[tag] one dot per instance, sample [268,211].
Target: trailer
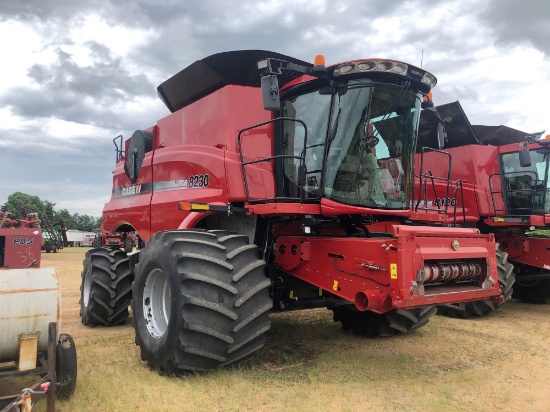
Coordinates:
[87,239]
[75,238]
[31,342]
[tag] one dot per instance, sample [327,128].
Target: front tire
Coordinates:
[200,300]
[480,308]
[392,323]
[106,288]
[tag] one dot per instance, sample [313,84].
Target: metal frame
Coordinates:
[423,184]
[12,403]
[270,158]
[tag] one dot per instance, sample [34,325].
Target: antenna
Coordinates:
[422,58]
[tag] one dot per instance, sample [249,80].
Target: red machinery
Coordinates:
[318,199]
[500,187]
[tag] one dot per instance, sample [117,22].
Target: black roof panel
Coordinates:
[460,132]
[216,71]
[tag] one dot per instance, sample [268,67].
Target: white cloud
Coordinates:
[21,47]
[95,67]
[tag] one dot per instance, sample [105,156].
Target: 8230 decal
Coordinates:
[197,181]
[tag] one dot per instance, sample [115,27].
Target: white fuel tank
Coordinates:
[29,300]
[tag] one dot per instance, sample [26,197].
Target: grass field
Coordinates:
[310,364]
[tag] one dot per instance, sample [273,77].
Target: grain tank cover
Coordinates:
[498,135]
[460,132]
[214,72]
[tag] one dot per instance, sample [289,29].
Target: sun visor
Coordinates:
[214,72]
[459,130]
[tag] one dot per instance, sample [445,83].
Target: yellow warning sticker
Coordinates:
[393,270]
[335,286]
[320,292]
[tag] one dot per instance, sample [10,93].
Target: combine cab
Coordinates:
[307,204]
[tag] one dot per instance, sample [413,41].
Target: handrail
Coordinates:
[270,158]
[427,175]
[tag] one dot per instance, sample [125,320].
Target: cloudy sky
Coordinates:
[75,74]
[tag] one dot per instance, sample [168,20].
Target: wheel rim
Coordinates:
[86,287]
[157,303]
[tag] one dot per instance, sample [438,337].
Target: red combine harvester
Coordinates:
[500,187]
[306,204]
[30,300]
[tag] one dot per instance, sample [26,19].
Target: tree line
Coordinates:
[33,204]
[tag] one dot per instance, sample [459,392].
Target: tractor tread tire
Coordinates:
[535,292]
[392,323]
[65,366]
[96,242]
[481,308]
[128,245]
[219,296]
[107,270]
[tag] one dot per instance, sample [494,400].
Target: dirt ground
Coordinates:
[497,363]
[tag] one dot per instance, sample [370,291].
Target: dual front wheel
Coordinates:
[199,298]
[106,288]
[214,312]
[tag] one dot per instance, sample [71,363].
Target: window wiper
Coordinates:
[396,101]
[332,134]
[362,146]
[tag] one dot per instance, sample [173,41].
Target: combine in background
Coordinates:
[500,183]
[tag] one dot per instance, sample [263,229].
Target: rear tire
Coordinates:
[480,308]
[65,366]
[200,300]
[392,323]
[106,289]
[97,241]
[128,245]
[537,291]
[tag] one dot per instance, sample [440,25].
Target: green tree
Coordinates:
[66,217]
[33,204]
[49,209]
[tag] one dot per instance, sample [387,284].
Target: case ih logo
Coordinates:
[22,241]
[131,190]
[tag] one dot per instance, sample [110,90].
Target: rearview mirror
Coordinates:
[441,136]
[270,92]
[524,157]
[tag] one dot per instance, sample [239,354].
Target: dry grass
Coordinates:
[309,364]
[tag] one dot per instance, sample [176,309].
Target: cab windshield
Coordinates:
[360,143]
